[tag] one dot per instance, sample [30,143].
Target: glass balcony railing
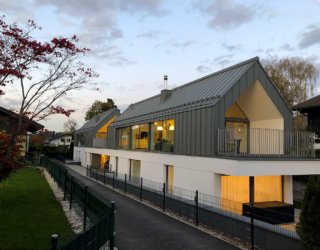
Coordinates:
[265,143]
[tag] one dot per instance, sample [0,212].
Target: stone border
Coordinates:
[75,221]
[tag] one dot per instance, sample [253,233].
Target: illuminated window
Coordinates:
[124,137]
[140,136]
[162,136]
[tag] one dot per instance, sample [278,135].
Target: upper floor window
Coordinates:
[140,135]
[162,136]
[124,137]
[63,140]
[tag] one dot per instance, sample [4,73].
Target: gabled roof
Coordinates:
[99,120]
[58,135]
[204,91]
[32,126]
[309,104]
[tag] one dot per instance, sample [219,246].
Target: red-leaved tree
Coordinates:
[42,72]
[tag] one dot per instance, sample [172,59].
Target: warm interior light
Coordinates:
[240,128]
[135,127]
[171,127]
[159,128]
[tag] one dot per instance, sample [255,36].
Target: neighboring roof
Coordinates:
[58,135]
[99,120]
[204,91]
[32,125]
[309,104]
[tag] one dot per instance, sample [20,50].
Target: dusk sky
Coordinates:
[135,42]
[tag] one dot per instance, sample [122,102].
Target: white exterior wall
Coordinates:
[203,173]
[287,189]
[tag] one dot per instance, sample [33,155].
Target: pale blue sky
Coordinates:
[135,42]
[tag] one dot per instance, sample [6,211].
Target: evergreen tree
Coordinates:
[309,226]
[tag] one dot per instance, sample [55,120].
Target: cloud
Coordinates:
[310,37]
[231,47]
[203,69]
[112,55]
[19,10]
[152,34]
[207,65]
[286,47]
[226,14]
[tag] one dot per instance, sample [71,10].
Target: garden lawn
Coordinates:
[29,212]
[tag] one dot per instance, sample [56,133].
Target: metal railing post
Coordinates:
[141,189]
[90,172]
[164,197]
[104,177]
[54,242]
[113,208]
[85,209]
[113,180]
[59,177]
[125,183]
[65,184]
[196,199]
[252,226]
[71,190]
[87,170]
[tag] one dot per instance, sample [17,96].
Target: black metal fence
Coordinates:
[205,210]
[98,218]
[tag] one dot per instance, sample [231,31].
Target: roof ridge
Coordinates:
[254,59]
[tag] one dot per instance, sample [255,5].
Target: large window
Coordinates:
[124,137]
[140,136]
[162,136]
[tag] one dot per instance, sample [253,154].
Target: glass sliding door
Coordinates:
[162,138]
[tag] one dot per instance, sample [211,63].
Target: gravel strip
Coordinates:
[74,219]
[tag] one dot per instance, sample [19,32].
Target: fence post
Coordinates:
[87,170]
[113,208]
[113,179]
[104,177]
[59,177]
[196,199]
[85,209]
[71,187]
[65,184]
[54,242]
[164,197]
[97,172]
[141,189]
[90,169]
[252,226]
[125,183]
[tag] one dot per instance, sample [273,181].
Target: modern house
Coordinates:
[90,141]
[228,134]
[311,109]
[9,123]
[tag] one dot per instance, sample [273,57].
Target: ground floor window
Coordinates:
[134,171]
[235,191]
[169,177]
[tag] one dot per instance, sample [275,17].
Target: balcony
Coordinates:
[265,143]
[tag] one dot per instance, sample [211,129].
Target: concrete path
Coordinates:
[141,227]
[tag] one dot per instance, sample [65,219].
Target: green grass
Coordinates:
[29,212]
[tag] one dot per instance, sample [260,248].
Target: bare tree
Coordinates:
[70,126]
[293,76]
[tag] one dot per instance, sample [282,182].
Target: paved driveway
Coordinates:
[141,227]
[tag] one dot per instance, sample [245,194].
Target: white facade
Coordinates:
[64,140]
[200,173]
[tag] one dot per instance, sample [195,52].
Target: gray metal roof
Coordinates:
[99,120]
[204,91]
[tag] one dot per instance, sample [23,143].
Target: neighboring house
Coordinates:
[8,125]
[93,134]
[60,139]
[228,134]
[311,109]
